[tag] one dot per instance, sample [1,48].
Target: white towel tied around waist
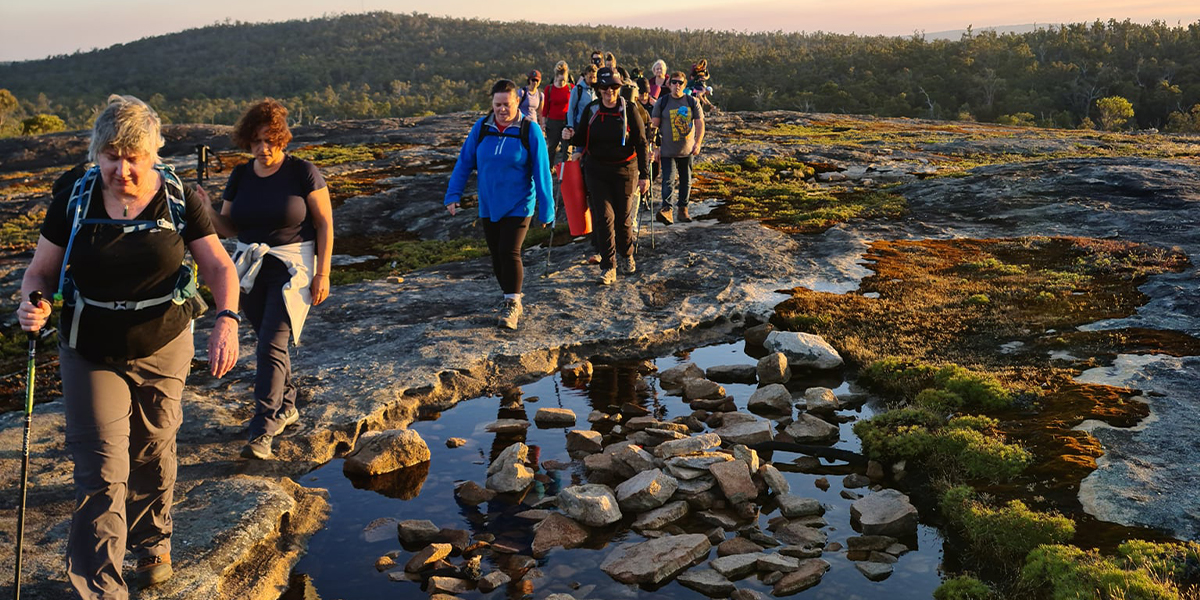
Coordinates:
[300,259]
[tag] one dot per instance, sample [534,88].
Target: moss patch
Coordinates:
[1140,570]
[325,155]
[1007,532]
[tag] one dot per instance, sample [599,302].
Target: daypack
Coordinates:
[485,131]
[621,109]
[77,209]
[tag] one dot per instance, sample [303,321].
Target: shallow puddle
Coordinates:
[340,560]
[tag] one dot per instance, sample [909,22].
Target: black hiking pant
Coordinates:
[504,239]
[610,198]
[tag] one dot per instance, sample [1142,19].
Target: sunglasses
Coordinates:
[677,82]
[608,87]
[535,81]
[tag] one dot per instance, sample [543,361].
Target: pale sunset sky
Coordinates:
[31,29]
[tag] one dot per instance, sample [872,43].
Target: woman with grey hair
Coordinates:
[125,340]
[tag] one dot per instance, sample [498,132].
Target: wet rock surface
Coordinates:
[377,351]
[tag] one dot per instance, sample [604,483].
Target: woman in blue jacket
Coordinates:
[509,154]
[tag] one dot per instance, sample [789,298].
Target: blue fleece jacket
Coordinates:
[511,180]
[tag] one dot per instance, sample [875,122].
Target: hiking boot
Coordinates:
[594,259]
[259,447]
[664,216]
[510,313]
[684,217]
[287,418]
[153,570]
[628,265]
[609,276]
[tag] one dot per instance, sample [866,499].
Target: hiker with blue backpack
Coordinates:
[611,138]
[508,152]
[278,208]
[112,248]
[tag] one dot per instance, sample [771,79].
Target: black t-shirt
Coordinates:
[273,210]
[108,264]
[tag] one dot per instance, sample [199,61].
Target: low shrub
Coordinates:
[962,587]
[977,390]
[1066,573]
[1009,532]
[939,401]
[966,444]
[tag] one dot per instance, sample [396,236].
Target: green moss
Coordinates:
[939,401]
[1009,532]
[967,445]
[333,154]
[991,266]
[978,299]
[978,391]
[963,587]
[1067,573]
[907,380]
[21,232]
[981,455]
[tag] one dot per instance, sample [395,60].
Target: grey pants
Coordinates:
[274,392]
[122,417]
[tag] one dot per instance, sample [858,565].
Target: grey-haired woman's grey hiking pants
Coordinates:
[121,423]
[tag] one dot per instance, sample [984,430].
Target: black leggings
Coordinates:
[610,198]
[504,239]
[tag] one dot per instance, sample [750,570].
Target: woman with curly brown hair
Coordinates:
[278,208]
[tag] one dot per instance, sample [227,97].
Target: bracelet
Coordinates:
[229,313]
[320,274]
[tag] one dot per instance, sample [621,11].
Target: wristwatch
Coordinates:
[229,313]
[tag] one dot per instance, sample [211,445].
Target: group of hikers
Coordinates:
[623,128]
[113,243]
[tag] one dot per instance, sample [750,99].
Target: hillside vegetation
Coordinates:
[382,64]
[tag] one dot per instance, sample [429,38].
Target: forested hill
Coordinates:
[384,64]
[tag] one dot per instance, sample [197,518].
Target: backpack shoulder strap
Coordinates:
[176,200]
[77,207]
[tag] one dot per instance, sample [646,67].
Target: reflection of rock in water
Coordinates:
[300,587]
[613,385]
[402,484]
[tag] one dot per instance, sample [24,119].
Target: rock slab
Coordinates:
[655,561]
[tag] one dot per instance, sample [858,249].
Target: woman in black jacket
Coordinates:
[610,136]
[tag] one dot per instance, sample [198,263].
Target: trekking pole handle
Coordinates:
[35,298]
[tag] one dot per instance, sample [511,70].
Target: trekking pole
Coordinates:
[35,298]
[554,223]
[201,164]
[653,213]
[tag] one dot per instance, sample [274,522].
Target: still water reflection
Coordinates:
[341,558]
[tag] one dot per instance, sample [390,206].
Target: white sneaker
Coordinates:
[510,313]
[609,277]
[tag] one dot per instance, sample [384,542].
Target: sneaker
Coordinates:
[594,259]
[153,570]
[609,276]
[510,313]
[628,265]
[288,417]
[664,216]
[259,447]
[683,215]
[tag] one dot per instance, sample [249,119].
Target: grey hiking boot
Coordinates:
[664,216]
[259,447]
[609,276]
[510,313]
[153,570]
[287,418]
[684,217]
[628,265]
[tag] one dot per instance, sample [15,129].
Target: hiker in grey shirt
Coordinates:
[682,135]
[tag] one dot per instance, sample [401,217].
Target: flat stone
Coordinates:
[379,530]
[416,532]
[458,539]
[745,594]
[804,349]
[775,480]
[385,562]
[801,551]
[590,504]
[732,373]
[773,368]
[674,377]
[807,574]
[449,585]
[696,443]
[868,543]
[534,514]
[772,398]
[746,432]
[821,400]
[636,458]
[698,460]
[455,442]
[601,463]
[886,512]
[734,479]
[717,519]
[662,516]
[493,580]
[382,452]
[697,485]
[708,582]
[855,480]
[556,531]
[427,557]
[702,389]
[684,473]
[551,417]
[655,561]
[746,455]
[796,534]
[645,491]
[507,426]
[807,429]
[582,440]
[735,566]
[737,545]
[777,562]
[896,549]
[792,506]
[875,571]
[640,423]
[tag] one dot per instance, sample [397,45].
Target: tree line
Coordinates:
[394,65]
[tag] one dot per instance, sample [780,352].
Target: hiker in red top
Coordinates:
[558,95]
[610,136]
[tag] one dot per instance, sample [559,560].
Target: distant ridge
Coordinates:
[956,34]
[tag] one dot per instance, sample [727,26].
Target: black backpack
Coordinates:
[485,131]
[691,100]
